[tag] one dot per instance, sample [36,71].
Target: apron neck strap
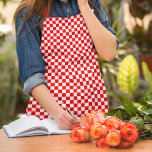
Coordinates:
[46,12]
[89,4]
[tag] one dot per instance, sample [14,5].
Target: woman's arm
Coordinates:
[48,102]
[104,41]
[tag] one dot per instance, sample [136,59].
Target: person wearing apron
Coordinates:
[71,68]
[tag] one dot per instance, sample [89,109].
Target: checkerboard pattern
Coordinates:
[71,68]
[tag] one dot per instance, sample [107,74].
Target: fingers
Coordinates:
[64,126]
[78,119]
[62,120]
[63,123]
[66,121]
[71,119]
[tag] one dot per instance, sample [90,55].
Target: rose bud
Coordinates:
[101,116]
[98,131]
[125,144]
[80,134]
[100,111]
[129,131]
[88,120]
[95,117]
[113,123]
[121,123]
[113,138]
[87,134]
[102,143]
[95,120]
[93,111]
[98,117]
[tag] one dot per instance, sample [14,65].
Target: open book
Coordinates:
[32,126]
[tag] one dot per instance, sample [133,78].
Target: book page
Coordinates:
[24,125]
[34,132]
[52,127]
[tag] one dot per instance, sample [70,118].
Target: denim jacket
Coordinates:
[30,61]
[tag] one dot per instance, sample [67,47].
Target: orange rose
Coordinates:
[97,131]
[87,134]
[80,134]
[88,120]
[129,131]
[102,143]
[125,144]
[100,111]
[101,117]
[97,111]
[113,138]
[113,123]
[94,117]
[93,111]
[121,123]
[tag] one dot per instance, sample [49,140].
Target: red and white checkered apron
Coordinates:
[71,68]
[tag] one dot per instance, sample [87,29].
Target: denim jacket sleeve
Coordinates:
[106,19]
[30,61]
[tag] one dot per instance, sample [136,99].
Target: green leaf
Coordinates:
[149,106]
[148,111]
[143,108]
[4,2]
[147,73]
[148,100]
[148,127]
[138,122]
[138,104]
[128,75]
[111,112]
[134,118]
[119,114]
[129,107]
[148,118]
[115,95]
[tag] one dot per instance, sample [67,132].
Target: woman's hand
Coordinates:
[66,121]
[82,3]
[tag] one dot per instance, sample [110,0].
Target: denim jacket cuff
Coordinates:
[33,81]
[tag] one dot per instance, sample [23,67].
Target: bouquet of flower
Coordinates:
[107,132]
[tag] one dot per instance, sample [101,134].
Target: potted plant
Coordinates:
[142,34]
[129,82]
